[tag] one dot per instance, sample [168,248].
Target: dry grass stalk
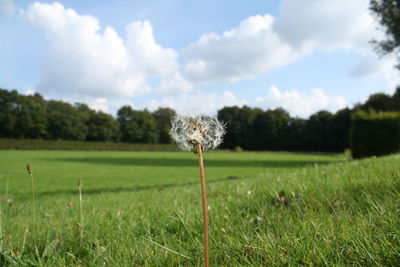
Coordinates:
[80,224]
[30,172]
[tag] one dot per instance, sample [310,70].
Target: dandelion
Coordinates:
[190,131]
[198,134]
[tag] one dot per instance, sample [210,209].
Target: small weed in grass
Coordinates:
[30,172]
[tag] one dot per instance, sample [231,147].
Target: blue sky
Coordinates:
[303,56]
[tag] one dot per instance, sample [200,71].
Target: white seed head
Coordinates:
[187,131]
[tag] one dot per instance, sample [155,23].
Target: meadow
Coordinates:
[143,209]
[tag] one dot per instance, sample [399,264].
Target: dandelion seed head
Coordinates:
[189,130]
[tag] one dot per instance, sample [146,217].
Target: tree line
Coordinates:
[274,129]
[33,117]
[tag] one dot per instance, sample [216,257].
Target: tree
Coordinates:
[102,127]
[32,119]
[388,15]
[21,116]
[65,121]
[8,107]
[270,129]
[378,102]
[296,138]
[137,126]
[163,118]
[341,123]
[395,102]
[319,131]
[239,124]
[84,110]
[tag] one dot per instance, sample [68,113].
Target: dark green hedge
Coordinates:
[374,134]
[27,144]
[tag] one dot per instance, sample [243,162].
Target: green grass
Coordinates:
[143,209]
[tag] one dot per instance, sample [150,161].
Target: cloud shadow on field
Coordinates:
[159,187]
[170,162]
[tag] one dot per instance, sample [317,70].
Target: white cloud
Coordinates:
[262,43]
[326,24]
[7,7]
[390,73]
[88,62]
[371,65]
[146,53]
[84,60]
[298,103]
[99,104]
[197,102]
[367,66]
[29,92]
[175,84]
[243,52]
[114,104]
[294,101]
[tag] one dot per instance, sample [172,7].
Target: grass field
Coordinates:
[143,209]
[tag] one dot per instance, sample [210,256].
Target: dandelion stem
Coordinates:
[204,200]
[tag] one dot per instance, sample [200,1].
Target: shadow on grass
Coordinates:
[170,162]
[93,191]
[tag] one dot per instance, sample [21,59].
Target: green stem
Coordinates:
[1,226]
[6,186]
[33,203]
[80,214]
